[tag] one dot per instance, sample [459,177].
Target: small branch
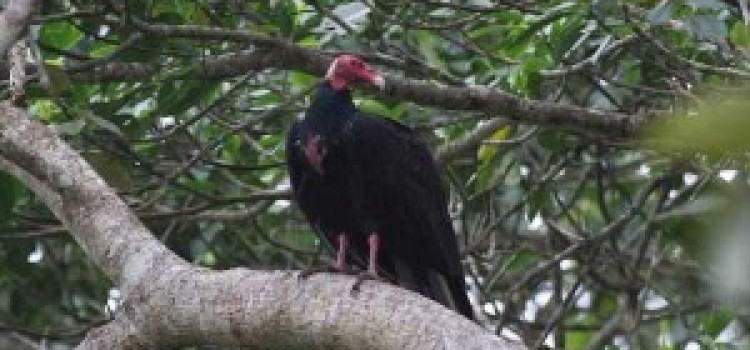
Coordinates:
[699,66]
[605,48]
[470,141]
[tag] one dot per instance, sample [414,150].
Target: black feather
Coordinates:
[377,176]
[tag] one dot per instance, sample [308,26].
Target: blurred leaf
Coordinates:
[47,110]
[58,79]
[11,189]
[71,128]
[717,128]
[707,4]
[707,27]
[715,322]
[302,80]
[577,340]
[113,169]
[102,123]
[492,172]
[550,15]
[662,13]
[427,43]
[699,206]
[739,35]
[378,108]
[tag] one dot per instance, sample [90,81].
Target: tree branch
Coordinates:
[276,310]
[277,53]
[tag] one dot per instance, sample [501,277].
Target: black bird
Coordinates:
[373,190]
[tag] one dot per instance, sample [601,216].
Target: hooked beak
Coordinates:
[373,77]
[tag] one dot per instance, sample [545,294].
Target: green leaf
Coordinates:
[496,171]
[487,152]
[113,170]
[739,35]
[427,43]
[577,339]
[551,15]
[719,127]
[633,73]
[302,80]
[46,110]
[566,33]
[716,321]
[526,79]
[61,35]
[11,189]
[58,79]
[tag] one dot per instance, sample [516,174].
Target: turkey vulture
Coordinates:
[373,190]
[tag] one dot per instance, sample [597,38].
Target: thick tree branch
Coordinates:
[83,202]
[169,302]
[278,53]
[276,310]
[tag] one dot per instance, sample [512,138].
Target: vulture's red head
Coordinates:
[347,69]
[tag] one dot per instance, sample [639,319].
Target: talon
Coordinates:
[373,241]
[324,267]
[364,276]
[306,273]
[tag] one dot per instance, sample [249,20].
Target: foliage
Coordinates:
[571,240]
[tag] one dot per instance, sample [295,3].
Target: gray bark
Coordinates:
[13,21]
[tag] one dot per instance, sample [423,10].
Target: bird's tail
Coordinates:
[452,293]
[458,292]
[446,290]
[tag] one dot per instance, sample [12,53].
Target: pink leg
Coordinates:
[338,266]
[341,253]
[374,243]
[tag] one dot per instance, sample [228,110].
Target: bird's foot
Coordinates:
[365,276]
[325,267]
